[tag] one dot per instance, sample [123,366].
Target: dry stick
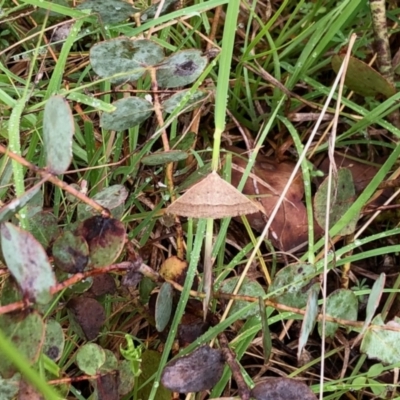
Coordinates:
[56,181]
[378,13]
[169,168]
[230,359]
[214,27]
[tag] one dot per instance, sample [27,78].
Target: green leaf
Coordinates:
[10,209]
[126,379]
[105,237]
[290,283]
[110,11]
[129,112]
[123,55]
[26,333]
[181,68]
[44,227]
[71,252]
[111,363]
[343,304]
[58,130]
[9,387]
[309,319]
[381,344]
[164,157]
[149,13]
[28,263]
[342,197]
[112,197]
[150,362]
[191,101]
[248,288]
[362,78]
[90,357]
[54,340]
[164,306]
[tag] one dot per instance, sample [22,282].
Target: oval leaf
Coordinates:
[189,102]
[112,197]
[105,237]
[362,78]
[58,130]
[248,288]
[54,340]
[341,303]
[342,198]
[309,319]
[164,157]
[164,306]
[71,252]
[89,358]
[27,334]
[123,55]
[129,112]
[126,379]
[289,284]
[10,209]
[110,11]
[28,263]
[44,227]
[181,68]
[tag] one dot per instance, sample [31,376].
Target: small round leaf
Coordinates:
[248,288]
[123,55]
[181,68]
[110,11]
[26,333]
[90,357]
[71,252]
[58,130]
[105,237]
[129,112]
[112,197]
[289,284]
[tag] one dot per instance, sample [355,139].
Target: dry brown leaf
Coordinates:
[290,226]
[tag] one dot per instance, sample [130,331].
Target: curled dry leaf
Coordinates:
[267,181]
[200,370]
[282,389]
